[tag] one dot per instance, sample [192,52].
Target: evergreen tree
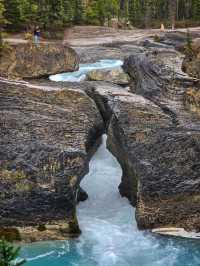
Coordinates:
[3,22]
[196,9]
[79,12]
[68,11]
[55,14]
[148,13]
[8,254]
[12,13]
[28,11]
[135,12]
[2,10]
[172,12]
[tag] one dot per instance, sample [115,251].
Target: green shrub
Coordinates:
[10,234]
[28,36]
[42,227]
[188,48]
[156,38]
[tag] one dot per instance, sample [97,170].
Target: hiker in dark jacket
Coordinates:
[37,35]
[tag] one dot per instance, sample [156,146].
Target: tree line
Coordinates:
[18,14]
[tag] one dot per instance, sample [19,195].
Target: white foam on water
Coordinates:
[80,75]
[109,232]
[41,256]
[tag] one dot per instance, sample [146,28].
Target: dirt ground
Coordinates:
[94,35]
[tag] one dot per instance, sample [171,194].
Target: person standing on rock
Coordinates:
[37,35]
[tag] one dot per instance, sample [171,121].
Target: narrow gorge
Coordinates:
[109,231]
[53,155]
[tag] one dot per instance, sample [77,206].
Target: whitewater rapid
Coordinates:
[109,233]
[81,74]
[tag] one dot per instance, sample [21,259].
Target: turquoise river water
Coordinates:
[80,75]
[109,233]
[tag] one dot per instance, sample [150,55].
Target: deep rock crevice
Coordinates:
[48,138]
[155,139]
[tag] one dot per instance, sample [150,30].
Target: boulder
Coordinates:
[33,61]
[115,75]
[46,140]
[82,195]
[177,39]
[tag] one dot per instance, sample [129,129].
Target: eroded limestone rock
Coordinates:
[46,140]
[115,75]
[30,61]
[156,140]
[166,152]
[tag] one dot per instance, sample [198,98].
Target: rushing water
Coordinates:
[109,233]
[80,75]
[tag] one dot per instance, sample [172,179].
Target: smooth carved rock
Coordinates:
[156,140]
[165,156]
[116,75]
[46,140]
[160,165]
[31,61]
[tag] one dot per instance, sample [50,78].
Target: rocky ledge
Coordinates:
[115,75]
[32,61]
[163,144]
[46,140]
[156,139]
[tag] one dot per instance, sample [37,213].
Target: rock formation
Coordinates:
[30,61]
[47,136]
[156,140]
[164,143]
[115,75]
[46,140]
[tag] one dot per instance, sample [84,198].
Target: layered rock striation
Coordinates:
[28,60]
[164,144]
[156,139]
[46,141]
[48,134]
[115,75]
